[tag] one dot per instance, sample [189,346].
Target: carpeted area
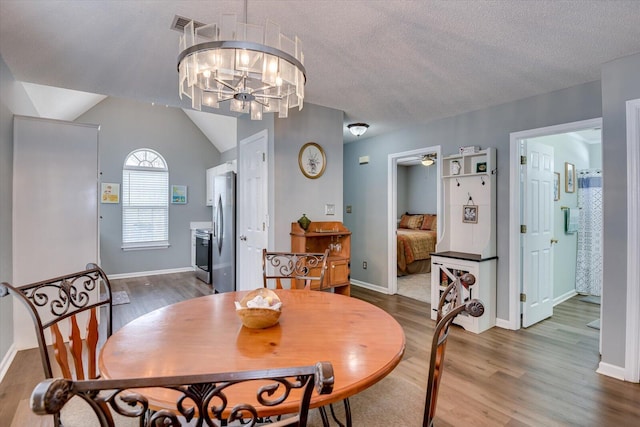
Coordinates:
[416,286]
[393,401]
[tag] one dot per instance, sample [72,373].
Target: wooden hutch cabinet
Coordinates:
[322,235]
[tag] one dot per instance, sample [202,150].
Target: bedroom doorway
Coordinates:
[413,187]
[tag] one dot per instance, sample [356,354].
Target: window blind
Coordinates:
[145,208]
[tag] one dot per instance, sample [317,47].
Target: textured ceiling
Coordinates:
[387,63]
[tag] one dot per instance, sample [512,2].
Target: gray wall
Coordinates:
[6,195]
[620,83]
[365,188]
[126,125]
[296,194]
[422,186]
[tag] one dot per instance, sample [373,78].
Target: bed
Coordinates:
[416,235]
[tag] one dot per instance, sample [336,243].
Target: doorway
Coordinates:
[404,160]
[253,208]
[568,161]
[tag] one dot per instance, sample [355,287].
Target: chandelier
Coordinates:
[257,69]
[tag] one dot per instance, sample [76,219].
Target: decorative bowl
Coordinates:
[258,317]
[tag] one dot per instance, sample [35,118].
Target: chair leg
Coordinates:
[347,415]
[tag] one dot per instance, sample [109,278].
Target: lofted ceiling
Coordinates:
[387,63]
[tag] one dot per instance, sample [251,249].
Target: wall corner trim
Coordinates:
[612,371]
[6,360]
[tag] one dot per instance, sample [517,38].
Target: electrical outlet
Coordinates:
[348,208]
[364,265]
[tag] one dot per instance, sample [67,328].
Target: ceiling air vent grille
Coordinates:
[179,23]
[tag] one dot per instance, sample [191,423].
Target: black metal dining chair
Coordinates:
[68,303]
[450,305]
[199,399]
[304,267]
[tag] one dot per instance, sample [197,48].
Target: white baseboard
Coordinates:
[150,273]
[609,370]
[6,361]
[369,286]
[563,298]
[504,324]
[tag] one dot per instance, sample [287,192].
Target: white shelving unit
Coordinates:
[468,243]
[447,266]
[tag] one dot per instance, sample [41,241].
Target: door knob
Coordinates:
[243,238]
[554,241]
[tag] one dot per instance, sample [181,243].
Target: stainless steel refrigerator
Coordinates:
[223,253]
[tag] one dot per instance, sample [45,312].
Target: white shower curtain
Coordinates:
[589,259]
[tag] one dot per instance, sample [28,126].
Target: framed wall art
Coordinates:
[312,160]
[110,192]
[569,177]
[179,194]
[470,214]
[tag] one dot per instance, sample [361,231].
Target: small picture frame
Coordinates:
[470,214]
[556,186]
[481,167]
[569,177]
[110,192]
[179,194]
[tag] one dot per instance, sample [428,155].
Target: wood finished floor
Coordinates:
[540,376]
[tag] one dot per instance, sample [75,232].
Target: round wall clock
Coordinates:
[312,160]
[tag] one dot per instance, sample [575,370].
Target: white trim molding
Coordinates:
[370,286]
[6,361]
[149,273]
[632,349]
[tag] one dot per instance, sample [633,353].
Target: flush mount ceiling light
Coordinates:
[358,129]
[428,159]
[258,69]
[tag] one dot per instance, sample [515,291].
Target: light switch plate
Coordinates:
[329,209]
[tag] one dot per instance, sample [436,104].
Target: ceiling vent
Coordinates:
[179,22]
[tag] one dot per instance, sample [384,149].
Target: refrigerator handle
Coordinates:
[219,224]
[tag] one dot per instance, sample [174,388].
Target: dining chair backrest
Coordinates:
[200,399]
[303,267]
[450,305]
[68,306]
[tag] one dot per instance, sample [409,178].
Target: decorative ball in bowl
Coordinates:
[259,309]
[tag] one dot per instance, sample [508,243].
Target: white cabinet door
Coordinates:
[211,172]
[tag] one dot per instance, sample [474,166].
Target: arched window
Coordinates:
[145,200]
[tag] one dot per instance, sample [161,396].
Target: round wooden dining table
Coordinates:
[204,335]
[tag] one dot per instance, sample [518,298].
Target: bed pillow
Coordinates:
[411,221]
[430,222]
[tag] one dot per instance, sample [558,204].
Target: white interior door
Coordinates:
[537,261]
[253,220]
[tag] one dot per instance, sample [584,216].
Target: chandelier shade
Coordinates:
[358,129]
[257,69]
